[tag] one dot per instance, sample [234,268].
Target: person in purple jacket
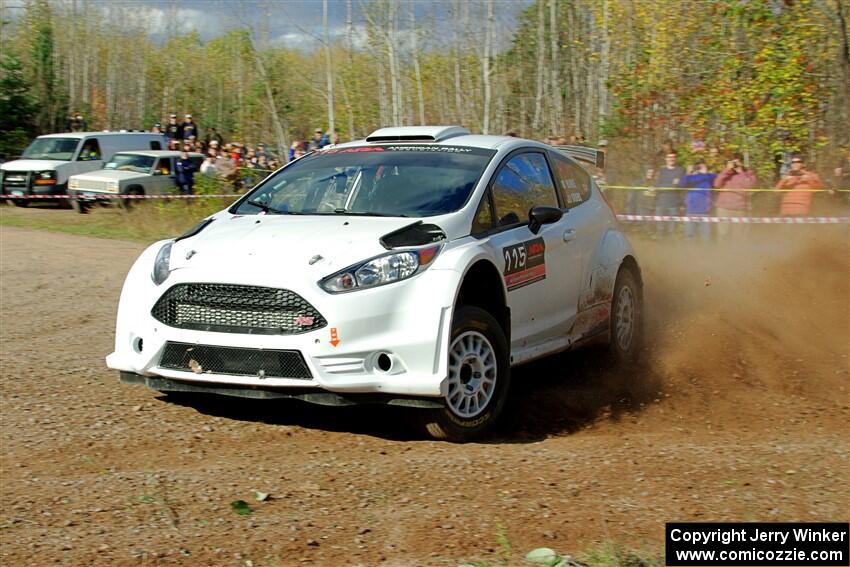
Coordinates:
[698,200]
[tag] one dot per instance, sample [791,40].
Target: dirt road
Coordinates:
[741,413]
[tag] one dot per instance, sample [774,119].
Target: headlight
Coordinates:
[73,184]
[382,270]
[112,186]
[162,264]
[45,178]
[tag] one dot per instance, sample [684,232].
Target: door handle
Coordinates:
[569,234]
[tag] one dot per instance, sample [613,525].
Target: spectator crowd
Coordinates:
[237,163]
[708,184]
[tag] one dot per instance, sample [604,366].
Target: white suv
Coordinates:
[412,268]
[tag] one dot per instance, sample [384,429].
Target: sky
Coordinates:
[291,23]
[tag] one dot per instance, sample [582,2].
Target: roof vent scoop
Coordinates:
[416,134]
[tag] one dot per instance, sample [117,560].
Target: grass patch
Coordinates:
[143,222]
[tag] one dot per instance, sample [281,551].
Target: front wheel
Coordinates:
[478,378]
[80,206]
[626,318]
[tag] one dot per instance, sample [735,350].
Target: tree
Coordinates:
[17,107]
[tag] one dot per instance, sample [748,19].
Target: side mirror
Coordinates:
[540,215]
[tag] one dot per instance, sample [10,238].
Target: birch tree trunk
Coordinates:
[604,65]
[541,62]
[555,88]
[459,115]
[391,55]
[280,132]
[416,70]
[485,64]
[328,68]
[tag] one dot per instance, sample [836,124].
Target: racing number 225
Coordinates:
[515,258]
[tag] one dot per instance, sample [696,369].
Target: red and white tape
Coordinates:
[737,220]
[109,196]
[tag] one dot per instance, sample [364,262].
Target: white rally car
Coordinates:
[413,268]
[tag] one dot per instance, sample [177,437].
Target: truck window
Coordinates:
[155,145]
[90,151]
[164,166]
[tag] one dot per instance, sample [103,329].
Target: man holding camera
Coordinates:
[800,184]
[733,200]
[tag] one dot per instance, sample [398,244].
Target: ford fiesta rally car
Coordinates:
[413,268]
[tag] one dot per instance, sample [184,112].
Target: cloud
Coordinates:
[159,22]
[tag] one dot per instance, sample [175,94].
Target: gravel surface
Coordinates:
[740,413]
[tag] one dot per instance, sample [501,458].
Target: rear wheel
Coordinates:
[626,317]
[478,378]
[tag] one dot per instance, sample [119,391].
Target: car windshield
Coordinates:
[130,162]
[61,149]
[381,180]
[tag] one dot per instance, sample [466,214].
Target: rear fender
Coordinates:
[607,258]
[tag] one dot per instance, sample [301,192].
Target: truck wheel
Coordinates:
[21,202]
[626,318]
[128,204]
[478,378]
[80,206]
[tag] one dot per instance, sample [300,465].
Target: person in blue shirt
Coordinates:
[698,199]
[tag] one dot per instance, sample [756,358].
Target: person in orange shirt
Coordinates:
[799,183]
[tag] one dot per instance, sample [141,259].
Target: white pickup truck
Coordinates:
[148,172]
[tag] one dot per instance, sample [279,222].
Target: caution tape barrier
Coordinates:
[90,197]
[627,218]
[737,220]
[719,190]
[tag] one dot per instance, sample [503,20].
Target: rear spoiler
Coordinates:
[585,154]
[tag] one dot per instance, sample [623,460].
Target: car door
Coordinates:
[163,179]
[586,223]
[539,270]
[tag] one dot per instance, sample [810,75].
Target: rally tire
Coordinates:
[478,379]
[626,324]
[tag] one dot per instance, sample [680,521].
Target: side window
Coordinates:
[483,217]
[155,145]
[574,182]
[523,182]
[164,166]
[90,151]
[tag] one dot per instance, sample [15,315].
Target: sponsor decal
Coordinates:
[525,263]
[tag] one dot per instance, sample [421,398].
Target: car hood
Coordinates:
[32,164]
[283,246]
[109,175]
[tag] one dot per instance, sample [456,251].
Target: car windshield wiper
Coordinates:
[264,207]
[366,213]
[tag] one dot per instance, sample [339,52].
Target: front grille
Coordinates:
[237,309]
[16,179]
[92,185]
[207,359]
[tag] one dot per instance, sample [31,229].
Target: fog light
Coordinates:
[384,362]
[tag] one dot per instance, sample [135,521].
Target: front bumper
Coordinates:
[23,183]
[408,321]
[313,396]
